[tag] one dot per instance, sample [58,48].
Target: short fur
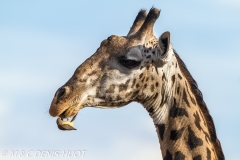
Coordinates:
[203,106]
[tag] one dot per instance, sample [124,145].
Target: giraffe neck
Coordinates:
[182,127]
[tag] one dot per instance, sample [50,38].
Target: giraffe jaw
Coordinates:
[99,102]
[67,117]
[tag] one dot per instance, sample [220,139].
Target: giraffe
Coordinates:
[142,68]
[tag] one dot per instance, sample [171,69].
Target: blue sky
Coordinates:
[43,42]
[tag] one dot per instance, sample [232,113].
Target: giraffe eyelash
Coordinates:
[128,63]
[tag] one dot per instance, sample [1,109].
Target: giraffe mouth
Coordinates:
[69,112]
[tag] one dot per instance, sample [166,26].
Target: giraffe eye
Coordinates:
[129,63]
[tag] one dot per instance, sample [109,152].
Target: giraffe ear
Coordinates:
[164,43]
[164,49]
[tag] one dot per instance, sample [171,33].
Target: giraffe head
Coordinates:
[118,72]
[139,67]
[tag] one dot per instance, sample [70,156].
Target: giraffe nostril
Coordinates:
[62,93]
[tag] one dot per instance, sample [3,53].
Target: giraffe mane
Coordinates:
[199,97]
